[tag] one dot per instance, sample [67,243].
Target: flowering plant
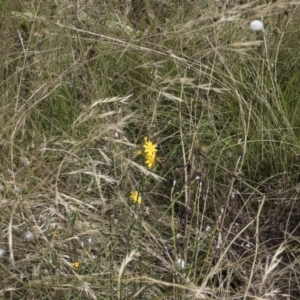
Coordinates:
[149,152]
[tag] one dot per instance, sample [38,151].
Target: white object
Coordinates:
[257,25]
[181,263]
[28,236]
[2,252]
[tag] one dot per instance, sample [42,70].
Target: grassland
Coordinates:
[83,83]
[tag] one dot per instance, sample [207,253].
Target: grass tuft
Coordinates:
[149,150]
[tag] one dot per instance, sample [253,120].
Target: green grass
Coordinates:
[83,83]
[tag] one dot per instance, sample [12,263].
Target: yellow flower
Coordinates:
[150,148]
[135,197]
[76,264]
[150,161]
[149,152]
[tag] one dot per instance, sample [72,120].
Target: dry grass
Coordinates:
[83,83]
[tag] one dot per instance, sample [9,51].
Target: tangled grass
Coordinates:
[211,212]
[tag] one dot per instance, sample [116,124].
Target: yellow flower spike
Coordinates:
[149,152]
[135,197]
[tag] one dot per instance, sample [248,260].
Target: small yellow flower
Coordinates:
[135,197]
[150,161]
[150,148]
[76,264]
